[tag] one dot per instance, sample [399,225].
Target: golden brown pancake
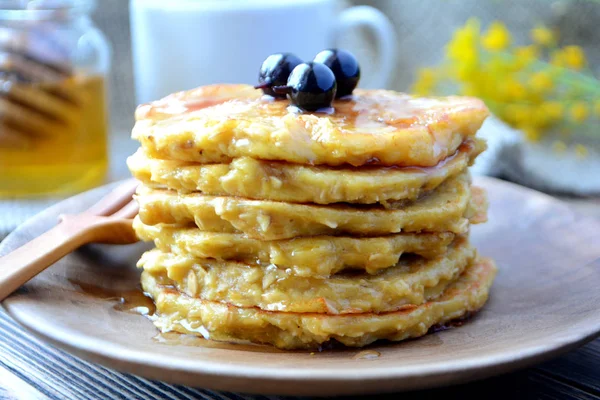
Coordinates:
[218,321]
[447,209]
[296,183]
[214,124]
[316,256]
[412,281]
[283,227]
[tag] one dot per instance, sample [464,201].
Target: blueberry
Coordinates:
[275,71]
[345,68]
[311,86]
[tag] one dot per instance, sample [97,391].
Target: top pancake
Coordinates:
[219,122]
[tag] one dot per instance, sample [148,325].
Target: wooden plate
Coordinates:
[544,302]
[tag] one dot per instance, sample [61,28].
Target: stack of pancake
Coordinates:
[296,229]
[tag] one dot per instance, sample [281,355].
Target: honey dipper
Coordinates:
[38,98]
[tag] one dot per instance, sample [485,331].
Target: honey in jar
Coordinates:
[53,117]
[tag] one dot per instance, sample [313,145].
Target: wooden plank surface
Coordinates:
[562,378]
[579,368]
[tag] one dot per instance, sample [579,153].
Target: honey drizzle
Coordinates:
[180,339]
[134,301]
[377,111]
[130,301]
[367,355]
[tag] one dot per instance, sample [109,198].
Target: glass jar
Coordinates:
[53,120]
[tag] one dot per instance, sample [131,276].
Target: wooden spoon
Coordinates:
[108,221]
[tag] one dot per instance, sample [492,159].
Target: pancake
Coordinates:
[479,206]
[218,321]
[264,180]
[214,124]
[316,256]
[412,281]
[447,209]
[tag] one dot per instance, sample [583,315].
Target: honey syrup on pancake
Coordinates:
[362,112]
[376,127]
[181,103]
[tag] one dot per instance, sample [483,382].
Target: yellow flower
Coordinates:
[498,65]
[514,90]
[541,82]
[579,111]
[497,37]
[532,134]
[540,118]
[573,57]
[559,146]
[570,57]
[464,41]
[553,109]
[525,55]
[516,82]
[463,50]
[426,81]
[517,114]
[543,36]
[581,151]
[556,58]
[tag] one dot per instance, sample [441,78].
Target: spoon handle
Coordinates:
[33,257]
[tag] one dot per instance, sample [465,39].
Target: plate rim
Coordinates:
[125,359]
[351,384]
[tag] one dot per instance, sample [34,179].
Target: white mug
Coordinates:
[181,44]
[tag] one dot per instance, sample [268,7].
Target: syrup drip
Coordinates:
[453,323]
[367,355]
[136,302]
[179,339]
[130,301]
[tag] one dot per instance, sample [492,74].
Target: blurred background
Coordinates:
[535,63]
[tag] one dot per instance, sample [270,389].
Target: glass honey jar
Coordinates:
[53,118]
